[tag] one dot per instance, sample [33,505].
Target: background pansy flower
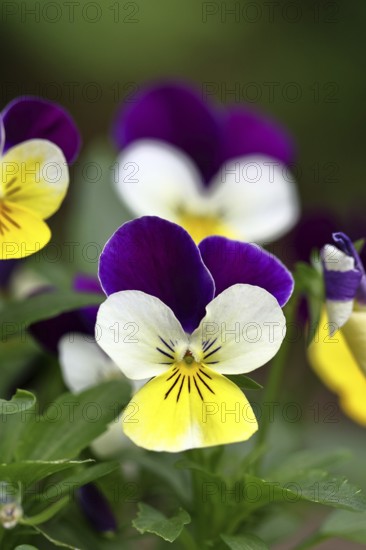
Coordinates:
[212,171]
[37,140]
[171,306]
[338,351]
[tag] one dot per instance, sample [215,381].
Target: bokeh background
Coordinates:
[300,61]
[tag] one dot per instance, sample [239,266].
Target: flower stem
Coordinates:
[312,541]
[187,541]
[276,374]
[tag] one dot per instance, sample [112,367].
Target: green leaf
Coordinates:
[15,316]
[72,422]
[244,382]
[55,542]
[298,463]
[150,520]
[67,486]
[244,542]
[346,525]
[22,401]
[314,486]
[29,472]
[25,547]
[359,245]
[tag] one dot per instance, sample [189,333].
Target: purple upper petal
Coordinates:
[247,132]
[233,262]
[346,285]
[176,114]
[31,118]
[160,258]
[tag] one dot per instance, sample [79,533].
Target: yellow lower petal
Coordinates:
[188,407]
[335,364]
[201,226]
[21,232]
[34,175]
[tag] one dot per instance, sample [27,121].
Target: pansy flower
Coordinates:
[338,351]
[215,172]
[186,316]
[37,139]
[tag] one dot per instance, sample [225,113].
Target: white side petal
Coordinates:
[137,354]
[154,178]
[336,260]
[338,314]
[112,441]
[245,325]
[83,363]
[257,197]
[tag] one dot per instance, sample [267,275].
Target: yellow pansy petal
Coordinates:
[335,364]
[189,406]
[354,332]
[35,175]
[21,232]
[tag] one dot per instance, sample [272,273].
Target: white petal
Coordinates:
[336,260]
[247,325]
[136,353]
[155,178]
[338,314]
[83,363]
[257,197]
[112,441]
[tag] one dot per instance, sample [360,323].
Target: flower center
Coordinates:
[200,226]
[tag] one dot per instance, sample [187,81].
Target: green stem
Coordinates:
[276,374]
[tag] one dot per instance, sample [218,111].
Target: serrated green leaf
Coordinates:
[244,382]
[346,525]
[72,422]
[22,401]
[313,486]
[244,542]
[298,463]
[150,520]
[28,472]
[15,316]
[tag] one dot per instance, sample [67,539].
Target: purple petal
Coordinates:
[31,118]
[160,258]
[246,132]
[341,285]
[176,114]
[96,508]
[233,262]
[345,283]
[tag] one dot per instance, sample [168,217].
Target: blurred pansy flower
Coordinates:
[338,351]
[185,317]
[213,172]
[37,139]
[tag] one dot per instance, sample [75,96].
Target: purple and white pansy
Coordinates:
[213,171]
[185,316]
